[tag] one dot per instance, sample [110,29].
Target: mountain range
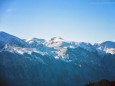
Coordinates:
[54,62]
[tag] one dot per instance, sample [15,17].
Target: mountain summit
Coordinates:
[56,39]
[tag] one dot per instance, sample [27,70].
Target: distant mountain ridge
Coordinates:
[56,44]
[54,62]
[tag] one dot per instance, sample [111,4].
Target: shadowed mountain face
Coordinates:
[55,62]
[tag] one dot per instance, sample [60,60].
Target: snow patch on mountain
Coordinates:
[21,50]
[110,50]
[105,47]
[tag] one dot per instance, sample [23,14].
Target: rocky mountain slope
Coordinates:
[54,62]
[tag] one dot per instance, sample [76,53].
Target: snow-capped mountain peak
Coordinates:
[105,44]
[105,47]
[57,39]
[35,40]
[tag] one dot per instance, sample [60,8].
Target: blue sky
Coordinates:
[77,20]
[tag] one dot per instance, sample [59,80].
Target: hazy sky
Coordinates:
[77,20]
